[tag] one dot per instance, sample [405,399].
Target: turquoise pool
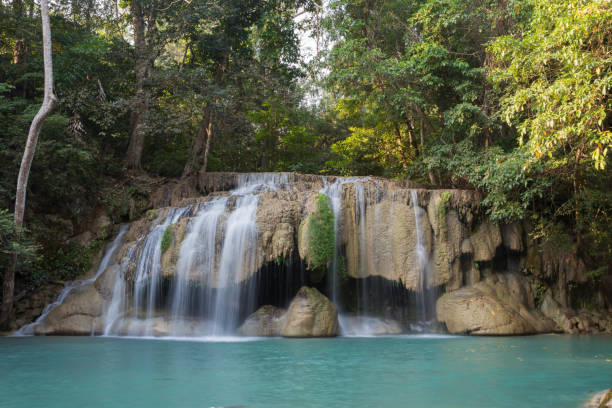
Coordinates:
[404,371]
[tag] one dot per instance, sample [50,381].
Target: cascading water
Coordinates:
[209,280]
[334,194]
[106,259]
[206,295]
[238,253]
[196,263]
[362,321]
[423,294]
[147,276]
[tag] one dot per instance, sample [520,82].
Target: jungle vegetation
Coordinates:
[509,97]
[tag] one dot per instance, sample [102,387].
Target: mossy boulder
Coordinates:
[310,314]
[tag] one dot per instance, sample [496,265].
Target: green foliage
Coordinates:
[321,234]
[19,243]
[167,238]
[539,290]
[510,98]
[65,263]
[556,79]
[509,185]
[582,295]
[125,203]
[444,199]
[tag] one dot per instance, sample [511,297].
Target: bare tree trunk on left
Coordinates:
[49,100]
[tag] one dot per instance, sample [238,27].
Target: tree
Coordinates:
[49,100]
[409,75]
[555,79]
[155,24]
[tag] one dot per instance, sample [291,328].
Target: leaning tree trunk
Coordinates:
[209,135]
[195,155]
[49,99]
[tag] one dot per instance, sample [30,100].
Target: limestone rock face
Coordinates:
[512,237]
[267,321]
[499,305]
[310,314]
[80,314]
[278,217]
[569,321]
[485,241]
[377,226]
[470,311]
[29,308]
[380,234]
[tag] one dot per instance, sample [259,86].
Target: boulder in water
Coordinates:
[310,314]
[498,306]
[80,314]
[470,311]
[267,321]
[600,400]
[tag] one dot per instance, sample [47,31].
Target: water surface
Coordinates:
[404,371]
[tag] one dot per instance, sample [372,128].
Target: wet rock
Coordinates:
[267,321]
[80,314]
[512,237]
[497,306]
[485,241]
[469,311]
[310,314]
[600,400]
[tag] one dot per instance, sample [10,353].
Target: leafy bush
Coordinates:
[20,244]
[166,239]
[321,234]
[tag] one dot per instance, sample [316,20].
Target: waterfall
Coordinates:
[196,265]
[421,258]
[147,277]
[206,295]
[28,329]
[199,270]
[334,194]
[362,322]
[238,254]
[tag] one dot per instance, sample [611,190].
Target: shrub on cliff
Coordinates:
[320,236]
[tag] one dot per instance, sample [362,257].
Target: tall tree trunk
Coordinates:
[432,178]
[143,93]
[197,145]
[209,136]
[26,161]
[400,146]
[19,46]
[205,129]
[576,202]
